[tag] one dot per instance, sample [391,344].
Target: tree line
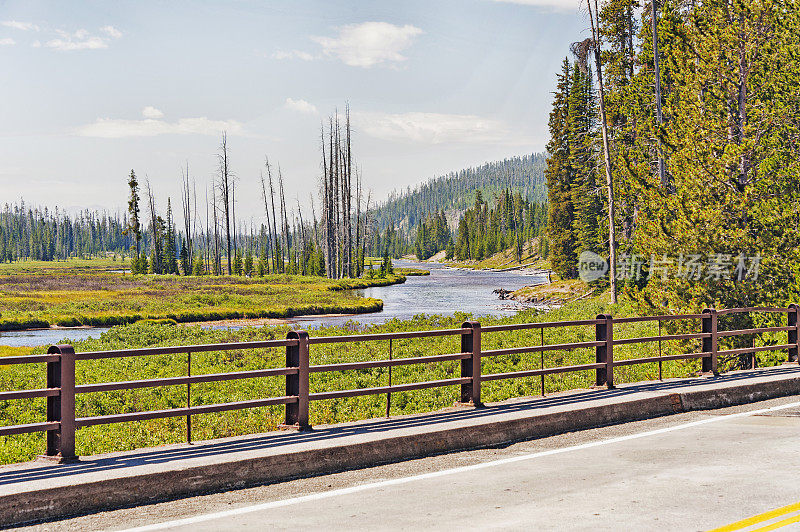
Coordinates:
[33,233]
[483,230]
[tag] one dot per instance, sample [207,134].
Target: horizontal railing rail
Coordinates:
[61,388]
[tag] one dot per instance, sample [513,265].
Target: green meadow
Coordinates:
[126,436]
[82,292]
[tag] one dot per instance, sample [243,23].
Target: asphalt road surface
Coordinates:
[737,468]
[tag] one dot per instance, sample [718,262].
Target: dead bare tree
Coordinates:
[155,229]
[270,235]
[278,255]
[217,267]
[348,196]
[661,169]
[359,233]
[302,239]
[284,213]
[612,242]
[208,237]
[225,184]
[187,213]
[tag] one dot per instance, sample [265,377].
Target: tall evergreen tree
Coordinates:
[582,156]
[559,174]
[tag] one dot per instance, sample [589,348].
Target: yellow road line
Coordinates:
[779,524]
[760,518]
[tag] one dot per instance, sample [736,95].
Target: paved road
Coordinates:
[694,471]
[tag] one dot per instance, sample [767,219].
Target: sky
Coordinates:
[93,89]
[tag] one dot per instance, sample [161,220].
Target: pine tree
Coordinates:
[248,264]
[582,155]
[559,173]
[133,223]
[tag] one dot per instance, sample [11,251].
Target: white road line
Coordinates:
[454,471]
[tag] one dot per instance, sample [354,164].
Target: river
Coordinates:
[445,291]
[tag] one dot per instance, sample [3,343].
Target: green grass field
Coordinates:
[81,292]
[156,432]
[86,292]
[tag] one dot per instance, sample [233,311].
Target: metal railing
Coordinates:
[62,423]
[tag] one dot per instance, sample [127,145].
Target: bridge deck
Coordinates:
[38,490]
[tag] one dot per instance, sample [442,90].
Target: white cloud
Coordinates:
[301,106]
[8,41]
[292,54]
[151,112]
[111,31]
[83,40]
[369,44]
[437,128]
[22,26]
[111,128]
[559,5]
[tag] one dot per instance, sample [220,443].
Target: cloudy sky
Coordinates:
[92,89]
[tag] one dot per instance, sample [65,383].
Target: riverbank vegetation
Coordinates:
[156,432]
[73,293]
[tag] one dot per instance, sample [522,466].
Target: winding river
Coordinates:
[445,291]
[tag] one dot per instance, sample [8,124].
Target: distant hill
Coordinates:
[455,192]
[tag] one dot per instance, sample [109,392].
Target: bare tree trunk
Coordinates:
[208,237]
[271,235]
[359,234]
[366,225]
[284,214]
[348,196]
[233,214]
[216,268]
[612,244]
[314,220]
[331,214]
[337,197]
[278,255]
[325,212]
[155,229]
[225,184]
[662,175]
[187,214]
[303,239]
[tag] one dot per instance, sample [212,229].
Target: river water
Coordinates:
[445,291]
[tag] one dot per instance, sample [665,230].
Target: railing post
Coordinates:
[710,343]
[471,367]
[794,309]
[604,354]
[297,384]
[61,408]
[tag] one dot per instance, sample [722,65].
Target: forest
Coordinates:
[198,240]
[674,132]
[483,230]
[454,193]
[41,234]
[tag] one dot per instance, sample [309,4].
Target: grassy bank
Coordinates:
[73,293]
[132,435]
[506,259]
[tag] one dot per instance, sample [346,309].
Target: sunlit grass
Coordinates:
[124,436]
[72,293]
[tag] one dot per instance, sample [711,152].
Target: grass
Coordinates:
[106,438]
[555,293]
[78,292]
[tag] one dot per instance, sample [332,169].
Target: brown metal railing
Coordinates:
[61,390]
